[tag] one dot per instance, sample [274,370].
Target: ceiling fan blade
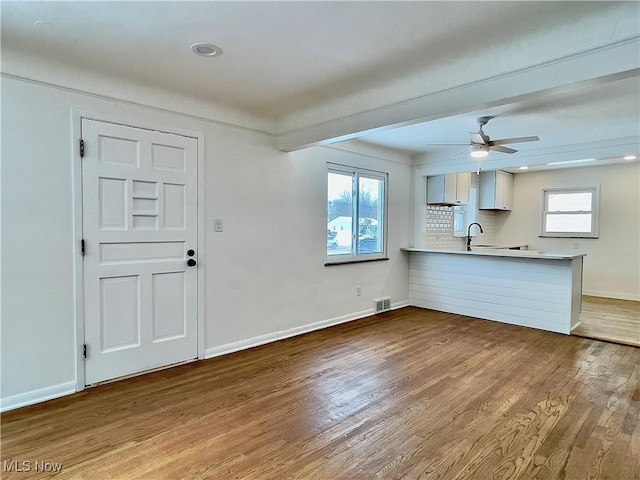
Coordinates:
[498,148]
[505,141]
[478,138]
[466,150]
[446,145]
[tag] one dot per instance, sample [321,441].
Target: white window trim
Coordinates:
[595,190]
[354,256]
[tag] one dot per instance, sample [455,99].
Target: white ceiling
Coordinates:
[318,72]
[567,120]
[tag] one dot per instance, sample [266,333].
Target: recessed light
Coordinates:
[630,157]
[206,49]
[524,168]
[567,162]
[42,24]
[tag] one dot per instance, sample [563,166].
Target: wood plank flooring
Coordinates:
[610,319]
[410,394]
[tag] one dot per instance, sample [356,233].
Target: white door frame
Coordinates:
[76,118]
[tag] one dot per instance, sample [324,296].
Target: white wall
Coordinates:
[612,264]
[261,280]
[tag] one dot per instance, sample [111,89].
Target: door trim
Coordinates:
[77,115]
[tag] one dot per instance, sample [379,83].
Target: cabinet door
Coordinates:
[496,190]
[504,190]
[451,188]
[463,185]
[435,189]
[487,190]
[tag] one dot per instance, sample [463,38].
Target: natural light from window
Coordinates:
[570,212]
[355,214]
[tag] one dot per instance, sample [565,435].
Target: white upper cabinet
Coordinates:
[449,189]
[496,190]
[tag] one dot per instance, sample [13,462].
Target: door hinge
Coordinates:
[84,351]
[81,148]
[82,250]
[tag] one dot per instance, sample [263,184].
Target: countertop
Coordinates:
[489,252]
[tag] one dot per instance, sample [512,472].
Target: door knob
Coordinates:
[191,262]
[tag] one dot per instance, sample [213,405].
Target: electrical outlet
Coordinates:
[576,245]
[217,225]
[359,290]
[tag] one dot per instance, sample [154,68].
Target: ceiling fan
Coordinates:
[481,143]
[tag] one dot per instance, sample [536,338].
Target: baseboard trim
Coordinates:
[37,396]
[397,305]
[63,389]
[292,332]
[616,295]
[240,345]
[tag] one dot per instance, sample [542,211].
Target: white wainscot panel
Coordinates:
[521,291]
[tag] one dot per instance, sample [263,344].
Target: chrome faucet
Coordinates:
[469,234]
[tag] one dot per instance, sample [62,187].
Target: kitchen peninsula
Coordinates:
[521,287]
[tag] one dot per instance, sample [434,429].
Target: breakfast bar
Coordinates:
[521,287]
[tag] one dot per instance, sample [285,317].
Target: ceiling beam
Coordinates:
[603,64]
[602,151]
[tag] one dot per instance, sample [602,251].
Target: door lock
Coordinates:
[191,252]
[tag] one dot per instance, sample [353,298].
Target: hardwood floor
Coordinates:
[610,319]
[411,394]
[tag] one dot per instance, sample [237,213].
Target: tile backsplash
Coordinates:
[439,227]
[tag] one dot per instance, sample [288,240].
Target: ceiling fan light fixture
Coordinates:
[479,151]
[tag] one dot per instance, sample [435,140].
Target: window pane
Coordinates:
[459,215]
[570,212]
[463,215]
[575,223]
[339,213]
[370,221]
[569,202]
[355,214]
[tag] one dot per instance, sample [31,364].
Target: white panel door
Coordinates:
[140,232]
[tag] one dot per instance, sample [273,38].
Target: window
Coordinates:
[464,215]
[356,214]
[570,212]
